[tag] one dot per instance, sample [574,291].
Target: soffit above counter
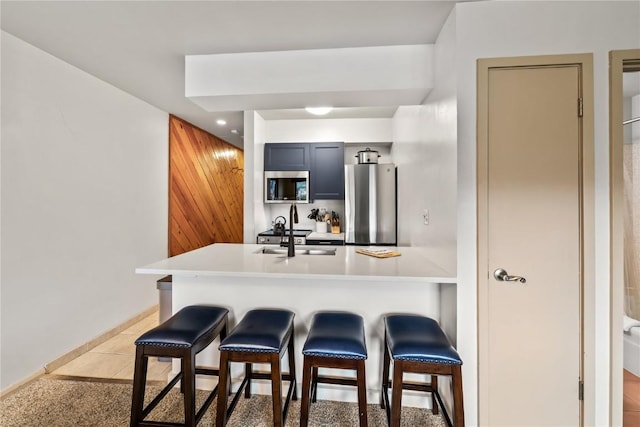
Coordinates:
[345,77]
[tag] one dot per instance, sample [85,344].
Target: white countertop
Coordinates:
[243,260]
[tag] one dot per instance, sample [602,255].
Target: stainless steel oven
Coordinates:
[270,237]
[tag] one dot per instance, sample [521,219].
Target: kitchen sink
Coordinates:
[299,251]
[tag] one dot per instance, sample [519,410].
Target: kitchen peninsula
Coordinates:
[241,277]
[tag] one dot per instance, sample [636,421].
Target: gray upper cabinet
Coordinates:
[323,160]
[286,157]
[326,177]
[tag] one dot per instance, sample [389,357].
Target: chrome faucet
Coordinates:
[293,219]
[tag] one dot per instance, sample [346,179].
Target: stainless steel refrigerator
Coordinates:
[370,204]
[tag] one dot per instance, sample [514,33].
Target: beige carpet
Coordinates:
[55,401]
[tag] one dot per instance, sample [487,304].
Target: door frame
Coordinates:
[619,61]
[587,303]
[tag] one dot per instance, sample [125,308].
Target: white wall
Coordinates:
[84,202]
[327,130]
[425,145]
[254,137]
[499,29]
[424,149]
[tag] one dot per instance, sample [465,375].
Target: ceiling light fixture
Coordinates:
[234,131]
[221,122]
[319,111]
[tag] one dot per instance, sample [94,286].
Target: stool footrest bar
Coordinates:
[444,410]
[407,385]
[206,404]
[290,395]
[267,376]
[235,399]
[159,424]
[207,371]
[151,406]
[337,380]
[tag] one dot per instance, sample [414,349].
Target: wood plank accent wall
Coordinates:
[206,189]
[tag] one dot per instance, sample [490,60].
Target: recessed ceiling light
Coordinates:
[234,131]
[221,122]
[319,111]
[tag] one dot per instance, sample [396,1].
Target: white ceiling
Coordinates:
[139,46]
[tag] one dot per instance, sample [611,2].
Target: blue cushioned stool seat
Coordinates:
[182,336]
[336,334]
[185,328]
[263,331]
[262,336]
[417,344]
[419,338]
[336,339]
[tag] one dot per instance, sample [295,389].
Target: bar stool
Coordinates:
[335,340]
[182,336]
[262,336]
[417,344]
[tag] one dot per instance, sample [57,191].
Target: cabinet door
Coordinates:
[326,178]
[286,157]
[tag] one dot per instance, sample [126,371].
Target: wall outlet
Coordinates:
[425,216]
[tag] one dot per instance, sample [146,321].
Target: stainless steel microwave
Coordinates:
[286,186]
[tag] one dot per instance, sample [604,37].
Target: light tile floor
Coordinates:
[114,359]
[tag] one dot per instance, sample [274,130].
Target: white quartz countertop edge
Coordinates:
[416,264]
[195,273]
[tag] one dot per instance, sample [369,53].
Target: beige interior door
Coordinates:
[530,226]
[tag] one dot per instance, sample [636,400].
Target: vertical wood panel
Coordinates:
[206,189]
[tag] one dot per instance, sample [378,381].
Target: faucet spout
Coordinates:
[293,219]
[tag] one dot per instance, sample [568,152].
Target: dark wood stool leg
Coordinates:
[306,391]
[248,371]
[228,381]
[314,383]
[139,381]
[292,368]
[189,381]
[458,403]
[276,390]
[396,393]
[434,401]
[223,384]
[182,378]
[362,393]
[386,361]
